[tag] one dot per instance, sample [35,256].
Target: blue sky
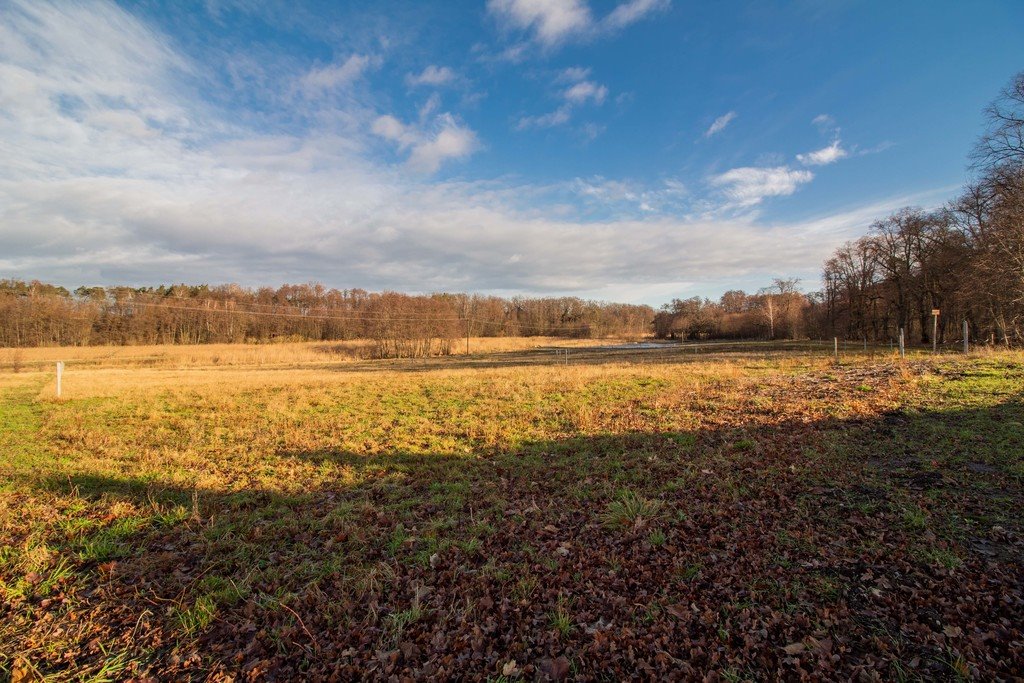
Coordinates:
[635,150]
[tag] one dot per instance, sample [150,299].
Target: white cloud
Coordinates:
[584,91]
[631,12]
[432,104]
[823,156]
[720,123]
[824,122]
[549,120]
[748,185]
[390,128]
[573,74]
[607,190]
[575,95]
[428,148]
[618,195]
[513,54]
[452,141]
[432,75]
[124,121]
[552,22]
[335,76]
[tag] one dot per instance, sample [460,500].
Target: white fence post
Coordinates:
[60,373]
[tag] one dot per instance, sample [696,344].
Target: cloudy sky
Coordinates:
[635,150]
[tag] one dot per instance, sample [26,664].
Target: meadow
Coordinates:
[280,512]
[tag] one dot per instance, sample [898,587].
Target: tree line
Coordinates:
[402,325]
[778,311]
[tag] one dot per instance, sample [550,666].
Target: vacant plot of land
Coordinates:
[747,514]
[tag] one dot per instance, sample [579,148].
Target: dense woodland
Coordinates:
[966,259]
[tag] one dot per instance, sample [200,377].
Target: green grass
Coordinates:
[915,518]
[630,510]
[657,538]
[194,618]
[940,556]
[560,618]
[396,623]
[21,418]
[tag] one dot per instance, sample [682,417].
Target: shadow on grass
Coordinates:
[674,353]
[440,565]
[984,441]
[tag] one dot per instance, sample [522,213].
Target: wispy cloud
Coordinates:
[631,12]
[552,22]
[611,194]
[748,186]
[581,92]
[719,124]
[823,156]
[428,147]
[336,76]
[824,122]
[548,120]
[451,141]
[432,75]
[431,105]
[586,91]
[573,74]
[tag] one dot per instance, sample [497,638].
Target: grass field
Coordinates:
[283,355]
[234,513]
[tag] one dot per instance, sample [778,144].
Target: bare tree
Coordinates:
[1003,142]
[778,305]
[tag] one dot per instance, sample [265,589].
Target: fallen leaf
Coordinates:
[557,668]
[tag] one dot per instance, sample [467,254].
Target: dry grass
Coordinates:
[231,427]
[289,354]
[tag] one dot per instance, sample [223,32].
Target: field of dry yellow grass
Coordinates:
[252,512]
[283,354]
